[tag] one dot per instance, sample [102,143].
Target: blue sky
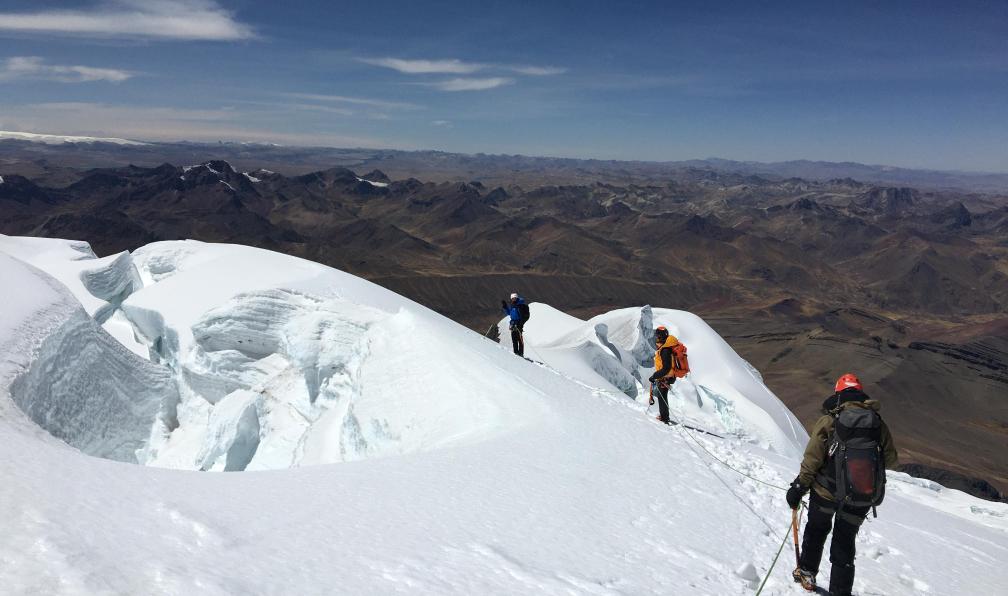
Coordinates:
[911,84]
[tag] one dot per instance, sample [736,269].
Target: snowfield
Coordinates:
[388,450]
[60,139]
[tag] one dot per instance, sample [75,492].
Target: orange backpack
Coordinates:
[680,363]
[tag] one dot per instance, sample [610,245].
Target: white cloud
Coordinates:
[470,84]
[158,19]
[538,71]
[444,123]
[456,66]
[461,67]
[448,66]
[358,101]
[34,67]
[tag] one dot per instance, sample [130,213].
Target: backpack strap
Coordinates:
[822,476]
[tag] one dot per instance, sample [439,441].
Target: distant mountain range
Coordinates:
[876,174]
[78,153]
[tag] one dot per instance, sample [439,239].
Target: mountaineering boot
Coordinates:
[841,580]
[805,578]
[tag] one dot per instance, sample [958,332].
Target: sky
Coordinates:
[915,84]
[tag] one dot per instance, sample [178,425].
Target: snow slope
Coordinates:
[474,471]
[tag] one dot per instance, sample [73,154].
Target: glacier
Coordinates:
[384,449]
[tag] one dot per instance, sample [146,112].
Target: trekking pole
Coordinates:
[650,400]
[487,334]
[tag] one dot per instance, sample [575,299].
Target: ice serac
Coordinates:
[615,351]
[283,363]
[272,363]
[112,281]
[84,387]
[99,284]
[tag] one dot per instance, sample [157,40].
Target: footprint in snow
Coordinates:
[914,583]
[879,551]
[202,535]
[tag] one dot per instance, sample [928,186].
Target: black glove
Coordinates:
[503,304]
[794,494]
[651,379]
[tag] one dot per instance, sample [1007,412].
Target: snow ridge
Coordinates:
[615,351]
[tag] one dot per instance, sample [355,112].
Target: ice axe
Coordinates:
[794,532]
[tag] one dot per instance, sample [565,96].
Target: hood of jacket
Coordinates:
[849,396]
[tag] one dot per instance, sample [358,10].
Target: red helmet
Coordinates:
[847,381]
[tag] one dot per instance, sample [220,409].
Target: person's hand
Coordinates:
[503,304]
[794,494]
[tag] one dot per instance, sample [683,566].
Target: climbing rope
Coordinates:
[730,490]
[777,556]
[682,429]
[689,434]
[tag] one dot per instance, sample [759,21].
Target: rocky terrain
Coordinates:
[806,278]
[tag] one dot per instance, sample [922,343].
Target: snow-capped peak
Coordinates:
[375,184]
[60,139]
[216,166]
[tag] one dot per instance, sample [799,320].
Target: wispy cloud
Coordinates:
[356,101]
[537,71]
[472,84]
[448,66]
[155,19]
[459,67]
[317,108]
[34,67]
[442,123]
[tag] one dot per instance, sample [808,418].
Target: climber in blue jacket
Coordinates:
[518,311]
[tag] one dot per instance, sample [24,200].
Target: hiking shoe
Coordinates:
[805,578]
[659,419]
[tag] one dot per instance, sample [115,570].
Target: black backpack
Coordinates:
[524,311]
[855,470]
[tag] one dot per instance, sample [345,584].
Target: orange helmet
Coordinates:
[847,381]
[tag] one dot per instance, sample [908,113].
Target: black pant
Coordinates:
[517,341]
[821,514]
[663,401]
